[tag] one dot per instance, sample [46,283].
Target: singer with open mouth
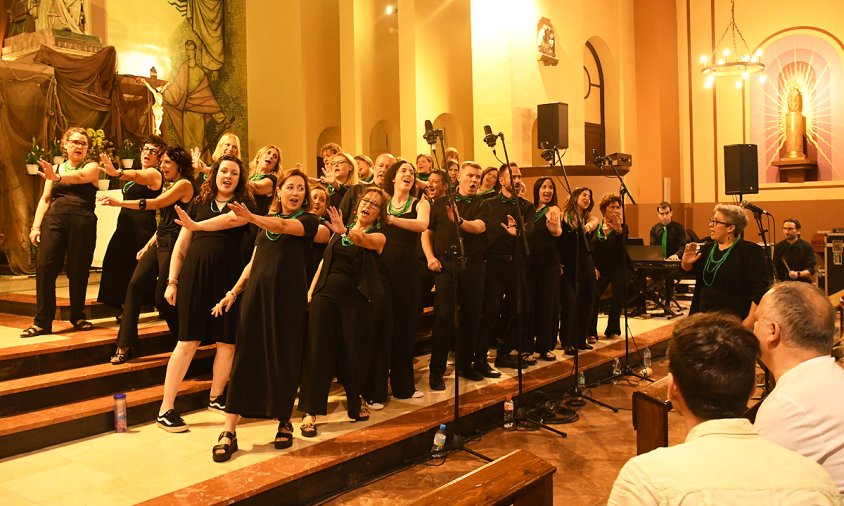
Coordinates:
[731,273]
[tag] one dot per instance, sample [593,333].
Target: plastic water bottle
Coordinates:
[581,380]
[438,449]
[646,358]
[119,412]
[508,413]
[616,370]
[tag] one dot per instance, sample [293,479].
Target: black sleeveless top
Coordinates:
[70,198]
[167,226]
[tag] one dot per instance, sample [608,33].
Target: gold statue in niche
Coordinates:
[795,125]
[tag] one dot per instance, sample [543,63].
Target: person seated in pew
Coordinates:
[795,326]
[712,373]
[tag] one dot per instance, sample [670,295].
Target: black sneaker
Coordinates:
[218,404]
[436,381]
[171,422]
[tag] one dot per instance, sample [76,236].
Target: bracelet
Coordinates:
[120,173]
[174,282]
[59,180]
[460,222]
[231,292]
[142,204]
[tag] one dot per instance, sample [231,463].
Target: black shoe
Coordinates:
[487,371]
[508,361]
[586,347]
[218,403]
[436,382]
[223,452]
[569,350]
[171,422]
[471,374]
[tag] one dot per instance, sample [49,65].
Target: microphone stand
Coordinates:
[575,394]
[757,216]
[623,190]
[521,251]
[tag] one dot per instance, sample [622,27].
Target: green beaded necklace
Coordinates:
[541,213]
[292,216]
[398,212]
[214,201]
[713,265]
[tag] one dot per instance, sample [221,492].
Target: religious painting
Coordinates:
[798,117]
[197,48]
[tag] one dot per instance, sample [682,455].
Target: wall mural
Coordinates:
[204,64]
[801,98]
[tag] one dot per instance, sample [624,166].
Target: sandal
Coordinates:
[121,355]
[223,451]
[308,428]
[548,356]
[82,324]
[284,436]
[33,331]
[363,414]
[528,359]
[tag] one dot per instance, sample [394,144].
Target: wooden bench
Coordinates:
[518,478]
[650,416]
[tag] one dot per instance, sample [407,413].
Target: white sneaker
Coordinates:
[377,406]
[417,394]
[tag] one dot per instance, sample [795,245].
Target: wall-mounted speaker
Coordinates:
[552,125]
[741,169]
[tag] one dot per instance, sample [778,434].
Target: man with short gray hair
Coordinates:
[805,411]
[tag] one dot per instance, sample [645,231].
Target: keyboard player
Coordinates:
[671,236]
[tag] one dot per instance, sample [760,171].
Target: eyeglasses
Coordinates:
[713,222]
[789,228]
[339,163]
[370,203]
[150,150]
[81,144]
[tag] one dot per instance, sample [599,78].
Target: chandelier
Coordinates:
[731,61]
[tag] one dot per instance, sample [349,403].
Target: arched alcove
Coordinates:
[452,134]
[383,138]
[330,134]
[610,97]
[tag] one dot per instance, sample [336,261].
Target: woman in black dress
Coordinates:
[731,273]
[577,289]
[273,315]
[340,175]
[544,271]
[135,226]
[149,278]
[407,218]
[263,175]
[206,263]
[340,317]
[65,225]
[612,264]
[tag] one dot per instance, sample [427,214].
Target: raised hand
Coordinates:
[510,227]
[690,254]
[107,165]
[185,220]
[241,211]
[47,171]
[335,220]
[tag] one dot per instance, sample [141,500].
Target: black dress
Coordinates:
[273,321]
[577,288]
[544,275]
[134,229]
[262,207]
[741,279]
[211,267]
[614,264]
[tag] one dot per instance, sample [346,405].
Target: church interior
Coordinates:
[691,102]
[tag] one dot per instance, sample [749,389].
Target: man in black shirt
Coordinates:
[440,245]
[501,275]
[672,237]
[794,258]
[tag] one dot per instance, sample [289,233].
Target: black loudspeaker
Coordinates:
[552,125]
[741,169]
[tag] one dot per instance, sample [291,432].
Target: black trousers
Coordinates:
[74,235]
[545,305]
[616,277]
[149,277]
[470,283]
[340,332]
[576,311]
[501,280]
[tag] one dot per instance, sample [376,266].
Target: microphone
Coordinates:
[548,155]
[489,137]
[430,135]
[596,158]
[754,208]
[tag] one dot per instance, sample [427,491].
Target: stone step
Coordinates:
[22,395]
[32,431]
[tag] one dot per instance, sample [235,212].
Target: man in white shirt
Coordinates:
[723,460]
[805,411]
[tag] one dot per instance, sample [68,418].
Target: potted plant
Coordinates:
[35,153]
[100,145]
[55,152]
[127,154]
